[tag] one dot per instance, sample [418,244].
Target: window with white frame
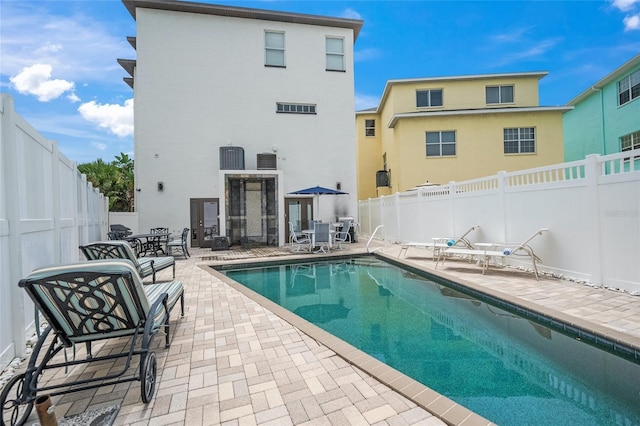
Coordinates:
[441,144]
[499,94]
[335,54]
[519,140]
[369,127]
[286,108]
[629,88]
[274,49]
[630,142]
[429,98]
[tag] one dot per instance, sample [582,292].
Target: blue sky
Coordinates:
[58,58]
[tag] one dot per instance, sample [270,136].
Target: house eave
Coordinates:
[599,85]
[241,12]
[422,114]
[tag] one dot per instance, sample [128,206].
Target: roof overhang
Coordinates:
[241,12]
[619,72]
[422,114]
[128,65]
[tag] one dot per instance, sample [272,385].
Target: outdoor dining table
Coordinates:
[311,233]
[149,243]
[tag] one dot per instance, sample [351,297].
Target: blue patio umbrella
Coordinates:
[317,191]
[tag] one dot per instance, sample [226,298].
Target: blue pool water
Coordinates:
[504,367]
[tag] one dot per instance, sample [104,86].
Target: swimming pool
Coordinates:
[508,369]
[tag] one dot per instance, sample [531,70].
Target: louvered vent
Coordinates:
[231,158]
[267,162]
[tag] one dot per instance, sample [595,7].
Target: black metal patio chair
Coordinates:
[84,303]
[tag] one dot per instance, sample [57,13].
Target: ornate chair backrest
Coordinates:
[110,250]
[90,300]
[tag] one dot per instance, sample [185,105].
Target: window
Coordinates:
[369,127]
[520,140]
[274,49]
[629,88]
[295,108]
[440,144]
[499,94]
[335,54]
[630,141]
[429,98]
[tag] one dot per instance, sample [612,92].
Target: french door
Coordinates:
[205,223]
[298,211]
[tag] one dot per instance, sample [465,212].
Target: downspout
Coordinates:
[604,145]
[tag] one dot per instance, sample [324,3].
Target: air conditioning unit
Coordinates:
[267,161]
[382,178]
[231,158]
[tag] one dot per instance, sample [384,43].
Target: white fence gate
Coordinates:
[591,207]
[47,209]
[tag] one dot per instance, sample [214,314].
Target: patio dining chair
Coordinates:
[84,303]
[322,237]
[298,240]
[159,244]
[179,243]
[343,235]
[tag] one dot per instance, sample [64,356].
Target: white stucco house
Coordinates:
[236,108]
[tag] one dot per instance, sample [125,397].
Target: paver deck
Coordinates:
[235,360]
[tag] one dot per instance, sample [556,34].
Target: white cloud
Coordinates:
[78,46]
[632,22]
[625,5]
[350,14]
[118,119]
[36,80]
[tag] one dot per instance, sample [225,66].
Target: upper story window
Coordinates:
[429,98]
[295,108]
[274,49]
[630,141]
[519,140]
[629,88]
[369,127]
[441,144]
[499,94]
[335,54]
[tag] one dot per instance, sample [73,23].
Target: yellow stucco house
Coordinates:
[445,129]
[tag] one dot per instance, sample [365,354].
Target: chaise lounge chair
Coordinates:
[84,303]
[122,250]
[489,252]
[439,244]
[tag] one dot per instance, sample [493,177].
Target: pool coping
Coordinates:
[440,406]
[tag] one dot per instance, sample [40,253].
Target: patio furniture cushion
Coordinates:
[122,301]
[122,250]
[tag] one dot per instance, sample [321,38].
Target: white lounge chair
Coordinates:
[439,244]
[489,252]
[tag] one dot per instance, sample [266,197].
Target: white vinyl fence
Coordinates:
[591,207]
[47,209]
